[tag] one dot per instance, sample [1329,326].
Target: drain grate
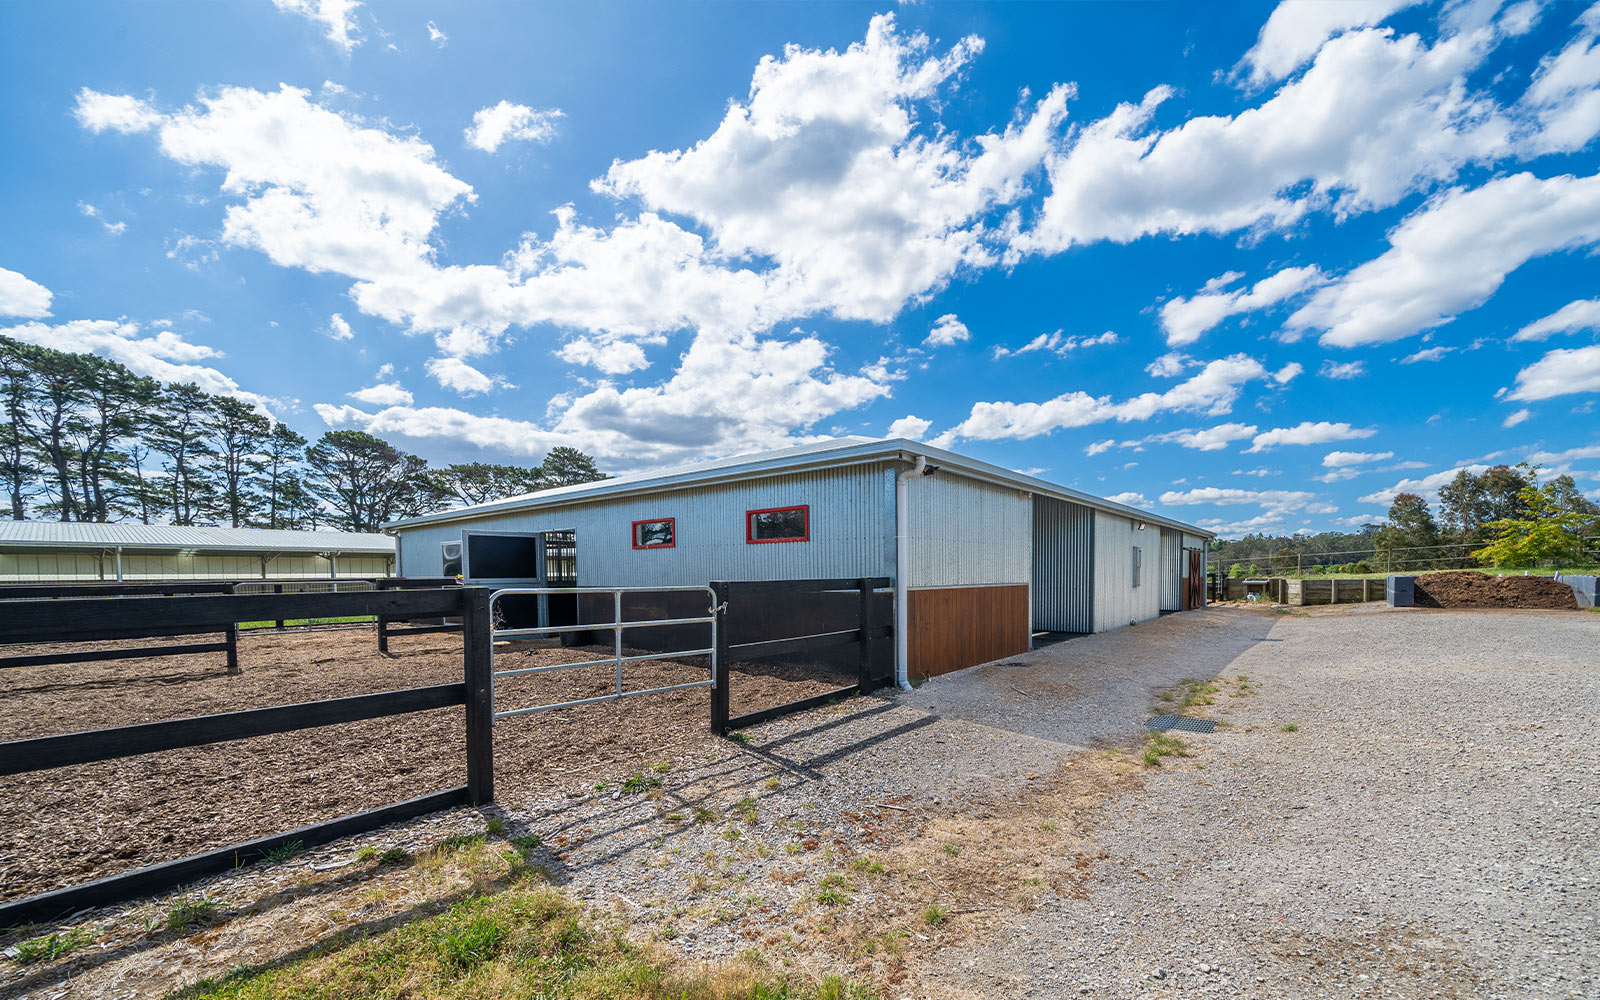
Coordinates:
[1181,723]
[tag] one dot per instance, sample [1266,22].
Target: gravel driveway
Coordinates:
[1431,829]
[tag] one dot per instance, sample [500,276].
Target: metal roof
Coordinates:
[831,453]
[168,537]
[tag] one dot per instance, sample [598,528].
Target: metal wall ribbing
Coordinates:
[1171,570]
[966,533]
[1117,602]
[852,532]
[1063,566]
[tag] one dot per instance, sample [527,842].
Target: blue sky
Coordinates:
[1257,266]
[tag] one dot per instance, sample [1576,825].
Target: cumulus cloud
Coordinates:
[1204,439]
[99,112]
[909,427]
[1308,432]
[339,328]
[1516,418]
[1130,499]
[453,373]
[1338,459]
[383,394]
[1574,317]
[1343,369]
[1186,319]
[1427,487]
[164,355]
[21,296]
[336,18]
[506,122]
[614,357]
[1427,354]
[1559,373]
[947,330]
[1211,391]
[1452,255]
[1057,343]
[437,36]
[1296,29]
[1564,96]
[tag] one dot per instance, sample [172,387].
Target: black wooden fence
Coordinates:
[49,621]
[872,617]
[386,627]
[31,597]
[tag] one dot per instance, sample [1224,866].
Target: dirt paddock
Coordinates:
[73,824]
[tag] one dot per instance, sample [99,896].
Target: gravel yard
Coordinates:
[1426,828]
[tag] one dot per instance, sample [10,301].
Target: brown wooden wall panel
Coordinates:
[952,628]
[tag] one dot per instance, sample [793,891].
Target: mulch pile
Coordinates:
[72,824]
[1480,590]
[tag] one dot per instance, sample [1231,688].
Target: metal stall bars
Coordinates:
[617,627]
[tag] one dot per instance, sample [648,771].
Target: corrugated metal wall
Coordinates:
[852,532]
[48,566]
[1063,566]
[965,533]
[1171,570]
[1116,600]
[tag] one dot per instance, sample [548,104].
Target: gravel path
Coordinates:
[1429,830]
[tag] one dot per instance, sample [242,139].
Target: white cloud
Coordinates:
[1130,499]
[1056,343]
[1582,314]
[336,18]
[1343,369]
[1564,96]
[1516,418]
[20,296]
[1338,459]
[1186,319]
[1226,496]
[1452,255]
[505,122]
[1098,447]
[436,36]
[1564,457]
[1169,365]
[909,427]
[1211,391]
[98,112]
[1205,439]
[1297,28]
[1427,487]
[614,357]
[947,330]
[1376,117]
[339,328]
[823,171]
[1360,519]
[453,373]
[383,394]
[89,211]
[1559,373]
[165,356]
[1308,432]
[1427,354]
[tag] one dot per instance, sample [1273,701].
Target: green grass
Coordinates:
[52,946]
[296,622]
[187,912]
[521,944]
[641,783]
[278,855]
[394,856]
[936,914]
[1161,745]
[1291,728]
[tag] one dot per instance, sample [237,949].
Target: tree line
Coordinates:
[87,439]
[1502,516]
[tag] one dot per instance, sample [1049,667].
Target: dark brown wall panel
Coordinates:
[952,628]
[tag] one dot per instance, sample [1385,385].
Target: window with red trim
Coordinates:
[778,524]
[658,533]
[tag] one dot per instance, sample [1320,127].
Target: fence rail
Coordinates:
[69,619]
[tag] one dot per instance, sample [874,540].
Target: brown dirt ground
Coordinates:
[73,824]
[1480,590]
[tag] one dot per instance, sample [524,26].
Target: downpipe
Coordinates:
[902,561]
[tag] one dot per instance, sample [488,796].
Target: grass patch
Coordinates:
[833,891]
[187,912]
[297,622]
[460,841]
[935,915]
[1291,728]
[1161,745]
[954,850]
[52,946]
[641,783]
[521,944]
[747,810]
[394,856]
[494,826]
[868,865]
[703,816]
[278,855]
[742,738]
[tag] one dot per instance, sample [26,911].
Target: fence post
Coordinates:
[277,588]
[865,681]
[383,634]
[233,642]
[477,647]
[719,661]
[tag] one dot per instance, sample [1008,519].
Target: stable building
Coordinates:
[984,560]
[73,552]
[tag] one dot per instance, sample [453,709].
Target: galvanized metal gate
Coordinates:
[617,626]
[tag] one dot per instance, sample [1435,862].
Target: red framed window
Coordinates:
[656,533]
[778,524]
